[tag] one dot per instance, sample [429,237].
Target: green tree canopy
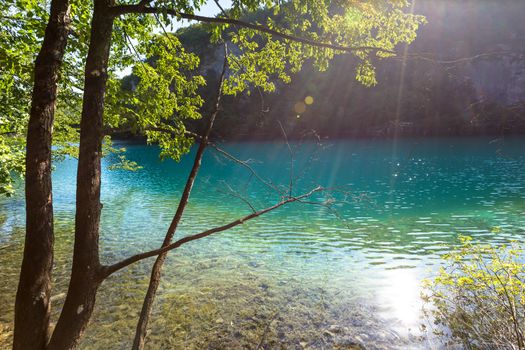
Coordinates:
[269,41]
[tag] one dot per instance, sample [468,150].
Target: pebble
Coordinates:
[335,328]
[328,333]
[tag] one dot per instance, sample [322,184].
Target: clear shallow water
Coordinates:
[317,279]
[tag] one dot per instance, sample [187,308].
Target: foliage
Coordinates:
[20,33]
[164,96]
[167,94]
[359,25]
[480,296]
[22,26]
[11,159]
[435,99]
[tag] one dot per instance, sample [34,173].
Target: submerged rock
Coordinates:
[253,264]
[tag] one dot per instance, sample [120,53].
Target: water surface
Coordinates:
[301,276]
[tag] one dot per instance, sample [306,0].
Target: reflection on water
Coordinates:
[301,276]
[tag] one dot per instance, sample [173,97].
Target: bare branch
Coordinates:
[290,185]
[219,150]
[220,8]
[147,305]
[237,195]
[124,9]
[109,270]
[266,329]
[484,55]
[247,166]
[131,47]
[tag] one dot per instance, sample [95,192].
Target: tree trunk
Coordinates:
[32,307]
[86,271]
[142,325]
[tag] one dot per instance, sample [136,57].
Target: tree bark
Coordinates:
[86,270]
[32,306]
[142,325]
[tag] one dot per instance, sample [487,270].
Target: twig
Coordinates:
[147,305]
[290,186]
[247,166]
[124,9]
[106,271]
[502,53]
[237,195]
[266,329]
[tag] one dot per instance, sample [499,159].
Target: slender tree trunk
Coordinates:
[141,332]
[86,270]
[32,308]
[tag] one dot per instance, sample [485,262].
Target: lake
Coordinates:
[302,276]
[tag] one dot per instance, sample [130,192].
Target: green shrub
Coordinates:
[478,298]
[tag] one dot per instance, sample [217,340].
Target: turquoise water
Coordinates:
[309,277]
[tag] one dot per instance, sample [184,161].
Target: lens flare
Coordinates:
[299,107]
[309,100]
